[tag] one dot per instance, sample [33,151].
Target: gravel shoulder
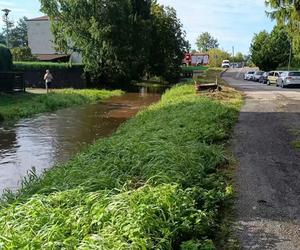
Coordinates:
[268,176]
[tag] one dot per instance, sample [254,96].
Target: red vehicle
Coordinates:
[195,59]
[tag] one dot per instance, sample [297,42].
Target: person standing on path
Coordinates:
[48,77]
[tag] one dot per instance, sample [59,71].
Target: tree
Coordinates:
[269,51]
[167,50]
[116,38]
[188,45]
[284,10]
[259,51]
[2,38]
[22,54]
[216,56]
[287,14]
[205,42]
[18,35]
[112,36]
[239,57]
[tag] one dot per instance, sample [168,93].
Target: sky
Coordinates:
[232,22]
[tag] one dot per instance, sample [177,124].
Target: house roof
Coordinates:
[41,18]
[50,57]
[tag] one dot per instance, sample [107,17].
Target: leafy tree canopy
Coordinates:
[119,40]
[239,57]
[205,42]
[216,56]
[2,38]
[287,14]
[168,43]
[17,34]
[269,51]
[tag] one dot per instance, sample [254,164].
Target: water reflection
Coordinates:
[53,138]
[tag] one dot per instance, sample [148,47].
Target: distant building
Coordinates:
[40,41]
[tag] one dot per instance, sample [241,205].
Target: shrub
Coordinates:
[5,59]
[22,54]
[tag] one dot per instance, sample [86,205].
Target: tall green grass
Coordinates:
[157,183]
[22,105]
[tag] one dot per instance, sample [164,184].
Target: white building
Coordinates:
[40,41]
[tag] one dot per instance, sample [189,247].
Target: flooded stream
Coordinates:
[53,138]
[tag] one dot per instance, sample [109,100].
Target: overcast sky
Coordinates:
[232,22]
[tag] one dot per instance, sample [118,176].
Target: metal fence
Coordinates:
[11,81]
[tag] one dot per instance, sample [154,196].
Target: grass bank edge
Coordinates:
[24,105]
[158,183]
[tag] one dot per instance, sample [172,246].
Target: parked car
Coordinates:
[273,76]
[226,64]
[288,78]
[264,78]
[235,65]
[239,65]
[249,75]
[257,75]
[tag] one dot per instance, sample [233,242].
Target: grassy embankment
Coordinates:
[159,182]
[190,69]
[20,105]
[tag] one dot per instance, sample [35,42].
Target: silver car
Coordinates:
[288,78]
[257,75]
[249,75]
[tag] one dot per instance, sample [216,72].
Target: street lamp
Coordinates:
[6,21]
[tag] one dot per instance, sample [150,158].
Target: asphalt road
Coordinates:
[268,173]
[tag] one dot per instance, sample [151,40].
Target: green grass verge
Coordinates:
[295,132]
[192,68]
[296,144]
[21,105]
[159,182]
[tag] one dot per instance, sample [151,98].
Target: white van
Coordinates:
[226,64]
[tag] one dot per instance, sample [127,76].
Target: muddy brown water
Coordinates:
[53,138]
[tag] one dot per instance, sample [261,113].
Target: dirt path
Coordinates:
[268,176]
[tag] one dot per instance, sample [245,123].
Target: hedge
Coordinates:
[25,66]
[5,58]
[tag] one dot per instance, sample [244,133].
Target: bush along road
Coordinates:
[21,105]
[160,182]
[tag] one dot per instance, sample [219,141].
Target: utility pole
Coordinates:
[7,23]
